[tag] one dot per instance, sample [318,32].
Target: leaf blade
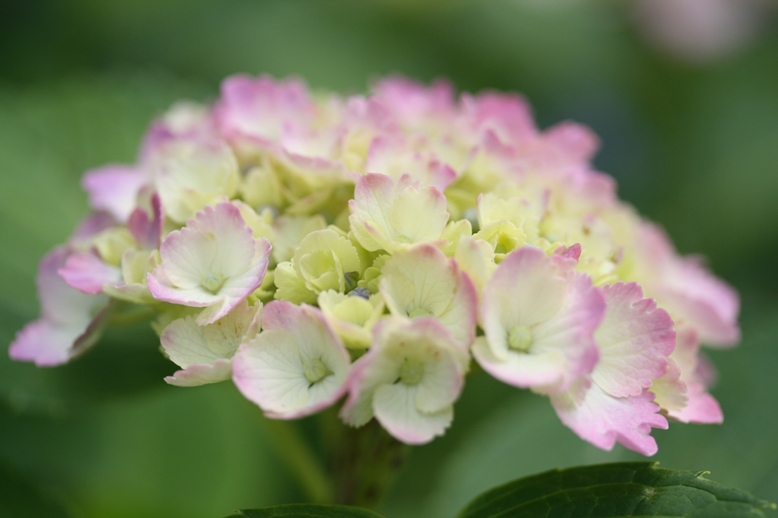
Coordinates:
[632,489]
[307,511]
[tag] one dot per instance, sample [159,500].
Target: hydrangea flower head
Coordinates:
[315,248]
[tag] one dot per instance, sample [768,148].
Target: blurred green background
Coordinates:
[691,138]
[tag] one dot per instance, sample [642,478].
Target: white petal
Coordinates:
[395,408]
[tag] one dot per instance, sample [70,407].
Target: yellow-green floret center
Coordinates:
[411,372]
[520,338]
[315,370]
[212,282]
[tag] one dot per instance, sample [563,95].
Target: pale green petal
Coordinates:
[291,286]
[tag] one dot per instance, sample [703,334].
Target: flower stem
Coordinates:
[366,461]
[301,460]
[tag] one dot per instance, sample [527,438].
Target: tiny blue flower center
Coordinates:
[360,292]
[520,338]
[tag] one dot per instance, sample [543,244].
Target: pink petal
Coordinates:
[683,286]
[700,407]
[147,229]
[571,142]
[635,339]
[114,189]
[415,103]
[259,108]
[508,115]
[88,273]
[71,321]
[394,157]
[604,420]
[93,225]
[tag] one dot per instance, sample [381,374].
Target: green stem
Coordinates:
[301,460]
[366,461]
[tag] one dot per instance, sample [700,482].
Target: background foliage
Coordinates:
[693,146]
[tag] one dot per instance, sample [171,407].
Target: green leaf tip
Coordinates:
[307,511]
[629,489]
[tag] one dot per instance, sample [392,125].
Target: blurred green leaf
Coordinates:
[307,511]
[615,490]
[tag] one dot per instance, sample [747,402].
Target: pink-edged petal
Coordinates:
[689,291]
[201,374]
[669,390]
[114,189]
[523,371]
[570,331]
[49,345]
[195,347]
[88,273]
[396,410]
[272,370]
[604,420]
[700,407]
[635,338]
[708,304]
[185,120]
[70,322]
[61,304]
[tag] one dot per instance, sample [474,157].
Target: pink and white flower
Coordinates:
[539,319]
[213,263]
[409,379]
[296,366]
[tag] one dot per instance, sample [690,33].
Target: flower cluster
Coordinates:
[313,248]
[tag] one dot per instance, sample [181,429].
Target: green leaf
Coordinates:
[615,490]
[307,511]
